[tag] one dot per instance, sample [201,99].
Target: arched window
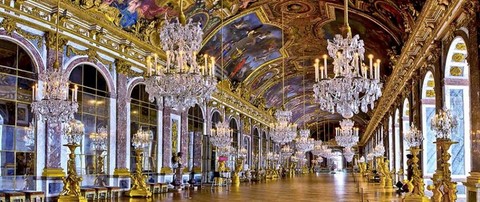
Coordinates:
[398,152]
[17,146]
[255,147]
[234,127]
[195,128]
[264,149]
[457,99]
[143,115]
[428,112]
[406,128]
[93,111]
[211,153]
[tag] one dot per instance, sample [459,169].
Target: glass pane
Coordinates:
[153,117]
[24,141]
[9,53]
[7,133]
[8,86]
[88,103]
[7,163]
[24,89]
[24,61]
[102,106]
[24,115]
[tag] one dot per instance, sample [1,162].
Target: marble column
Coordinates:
[473,181]
[123,100]
[184,138]
[53,150]
[167,142]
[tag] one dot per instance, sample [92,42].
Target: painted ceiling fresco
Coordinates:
[247,44]
[245,36]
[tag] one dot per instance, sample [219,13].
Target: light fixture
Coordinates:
[221,137]
[140,140]
[286,151]
[348,153]
[242,153]
[74,131]
[304,143]
[53,105]
[317,147]
[379,150]
[443,123]
[183,82]
[413,137]
[283,131]
[346,134]
[350,88]
[99,138]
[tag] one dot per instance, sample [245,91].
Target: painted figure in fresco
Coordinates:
[129,13]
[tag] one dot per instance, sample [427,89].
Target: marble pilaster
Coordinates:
[122,113]
[184,137]
[166,140]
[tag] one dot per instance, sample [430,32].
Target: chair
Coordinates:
[34,196]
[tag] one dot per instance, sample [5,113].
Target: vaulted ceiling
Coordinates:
[256,42]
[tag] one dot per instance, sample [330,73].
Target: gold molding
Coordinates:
[10,26]
[91,54]
[430,26]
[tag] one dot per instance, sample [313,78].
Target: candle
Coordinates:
[316,69]
[33,92]
[322,72]
[76,92]
[370,57]
[378,69]
[205,58]
[212,60]
[325,65]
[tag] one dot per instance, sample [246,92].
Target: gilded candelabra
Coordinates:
[99,144]
[414,139]
[443,188]
[74,131]
[242,154]
[140,140]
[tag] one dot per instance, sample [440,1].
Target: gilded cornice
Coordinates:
[91,54]
[233,100]
[91,30]
[432,24]
[10,27]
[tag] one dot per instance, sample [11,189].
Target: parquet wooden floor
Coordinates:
[322,187]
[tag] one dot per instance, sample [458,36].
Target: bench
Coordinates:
[154,188]
[14,196]
[89,193]
[113,192]
[34,196]
[102,192]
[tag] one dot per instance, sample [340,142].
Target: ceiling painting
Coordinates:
[244,44]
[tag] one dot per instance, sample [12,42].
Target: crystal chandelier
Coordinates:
[142,138]
[303,143]
[242,153]
[348,153]
[361,160]
[346,134]
[413,137]
[443,123]
[370,156]
[379,150]
[283,131]
[221,137]
[54,105]
[286,151]
[74,131]
[99,139]
[183,82]
[326,152]
[317,147]
[350,87]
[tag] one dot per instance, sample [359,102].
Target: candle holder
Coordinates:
[99,146]
[140,140]
[242,154]
[414,139]
[74,131]
[443,188]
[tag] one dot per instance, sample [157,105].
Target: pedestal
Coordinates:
[415,198]
[473,186]
[71,183]
[139,186]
